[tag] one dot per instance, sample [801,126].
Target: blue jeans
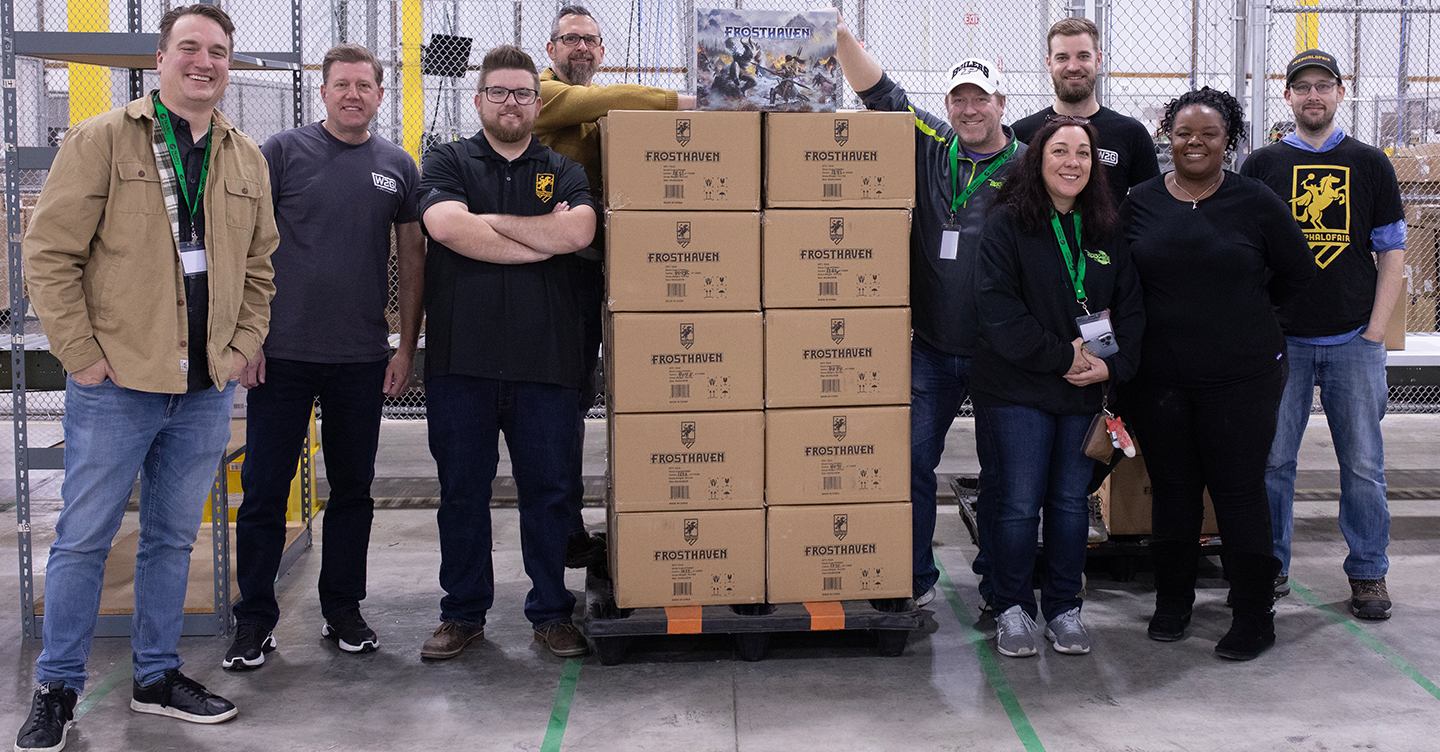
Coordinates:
[277,420]
[1353,391]
[939,382]
[466,415]
[175,443]
[1031,460]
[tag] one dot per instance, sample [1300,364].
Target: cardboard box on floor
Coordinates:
[1125,500]
[821,357]
[683,261]
[837,455]
[708,161]
[693,558]
[680,461]
[862,160]
[838,552]
[684,362]
[826,258]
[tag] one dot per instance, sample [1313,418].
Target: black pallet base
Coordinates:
[612,629]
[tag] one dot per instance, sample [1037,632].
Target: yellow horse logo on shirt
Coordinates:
[545,186]
[1320,203]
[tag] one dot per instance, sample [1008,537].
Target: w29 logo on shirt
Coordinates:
[384,182]
[1320,202]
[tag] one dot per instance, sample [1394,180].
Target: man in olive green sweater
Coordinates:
[571,107]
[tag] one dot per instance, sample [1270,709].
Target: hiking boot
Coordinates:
[1369,599]
[450,640]
[51,711]
[1067,634]
[178,696]
[350,632]
[1282,586]
[563,640]
[1015,633]
[583,549]
[248,650]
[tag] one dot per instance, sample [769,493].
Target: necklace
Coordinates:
[1195,200]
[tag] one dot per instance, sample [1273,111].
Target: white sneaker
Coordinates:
[1067,634]
[924,600]
[1015,633]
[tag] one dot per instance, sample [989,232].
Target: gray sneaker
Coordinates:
[1067,634]
[1015,633]
[1099,533]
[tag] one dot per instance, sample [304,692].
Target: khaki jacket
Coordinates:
[102,265]
[569,115]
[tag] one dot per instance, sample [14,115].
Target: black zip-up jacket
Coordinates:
[942,291]
[1028,309]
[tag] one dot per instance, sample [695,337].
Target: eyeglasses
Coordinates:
[498,95]
[572,40]
[1067,119]
[1322,88]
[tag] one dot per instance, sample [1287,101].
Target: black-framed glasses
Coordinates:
[1067,119]
[572,40]
[1322,88]
[498,95]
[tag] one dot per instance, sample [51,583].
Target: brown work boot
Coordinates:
[563,639]
[1369,599]
[450,640]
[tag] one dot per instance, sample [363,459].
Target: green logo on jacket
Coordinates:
[1100,257]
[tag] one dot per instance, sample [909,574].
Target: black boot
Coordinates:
[1176,567]
[1252,586]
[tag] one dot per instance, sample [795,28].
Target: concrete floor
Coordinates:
[1331,683]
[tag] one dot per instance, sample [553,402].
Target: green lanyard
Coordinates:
[168,130]
[960,197]
[1077,278]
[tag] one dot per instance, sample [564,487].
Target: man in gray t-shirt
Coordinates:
[338,190]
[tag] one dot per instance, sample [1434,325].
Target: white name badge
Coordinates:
[950,242]
[192,258]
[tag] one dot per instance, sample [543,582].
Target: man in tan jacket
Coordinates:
[148,264]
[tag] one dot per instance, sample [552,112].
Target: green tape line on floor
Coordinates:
[1368,640]
[560,711]
[123,671]
[990,666]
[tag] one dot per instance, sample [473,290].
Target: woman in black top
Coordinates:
[1216,252]
[1051,252]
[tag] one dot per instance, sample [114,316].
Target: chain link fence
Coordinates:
[431,51]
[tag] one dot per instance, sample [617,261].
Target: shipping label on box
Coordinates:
[862,160]
[683,261]
[693,558]
[838,552]
[826,258]
[774,60]
[837,356]
[707,161]
[842,455]
[672,461]
[684,362]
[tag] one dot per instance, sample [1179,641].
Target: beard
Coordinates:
[1314,122]
[577,69]
[508,134]
[1074,92]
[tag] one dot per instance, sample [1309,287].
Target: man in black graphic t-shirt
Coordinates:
[1345,198]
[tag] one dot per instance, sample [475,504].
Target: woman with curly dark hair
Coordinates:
[1051,256]
[1216,252]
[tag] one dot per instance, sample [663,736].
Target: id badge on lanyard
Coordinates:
[192,257]
[950,239]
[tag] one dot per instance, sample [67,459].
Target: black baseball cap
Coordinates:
[1312,59]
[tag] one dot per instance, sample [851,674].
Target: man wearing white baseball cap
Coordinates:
[960,163]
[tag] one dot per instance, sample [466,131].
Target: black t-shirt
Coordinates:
[1211,277]
[1125,149]
[197,286]
[511,322]
[1337,197]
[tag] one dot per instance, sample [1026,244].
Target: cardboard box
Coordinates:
[1126,499]
[684,362]
[708,161]
[683,261]
[695,558]
[677,461]
[840,455]
[837,356]
[1417,164]
[861,160]
[771,60]
[824,258]
[838,552]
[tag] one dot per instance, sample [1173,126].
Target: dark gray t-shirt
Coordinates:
[334,205]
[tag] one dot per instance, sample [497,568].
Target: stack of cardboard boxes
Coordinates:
[719,408]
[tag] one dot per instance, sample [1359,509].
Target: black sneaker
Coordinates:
[51,712]
[248,650]
[178,696]
[350,633]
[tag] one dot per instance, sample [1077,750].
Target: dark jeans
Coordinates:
[277,420]
[939,382]
[466,415]
[592,290]
[1210,437]
[1031,460]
